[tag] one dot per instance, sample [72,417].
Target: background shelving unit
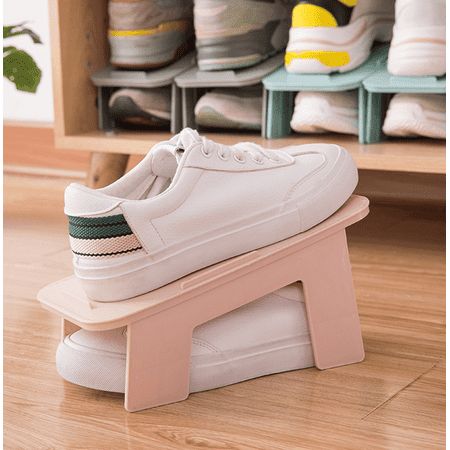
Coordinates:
[80,48]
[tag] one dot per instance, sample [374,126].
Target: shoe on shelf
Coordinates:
[418,43]
[147,34]
[191,203]
[232,34]
[230,108]
[141,107]
[267,336]
[321,112]
[416,115]
[336,35]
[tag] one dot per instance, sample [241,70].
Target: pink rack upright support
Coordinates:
[160,323]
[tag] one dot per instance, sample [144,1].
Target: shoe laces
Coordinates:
[239,152]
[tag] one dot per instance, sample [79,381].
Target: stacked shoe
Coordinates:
[266,336]
[141,107]
[191,203]
[230,108]
[320,112]
[336,35]
[418,43]
[146,34]
[416,115]
[232,34]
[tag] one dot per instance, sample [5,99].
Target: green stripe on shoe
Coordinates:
[98,227]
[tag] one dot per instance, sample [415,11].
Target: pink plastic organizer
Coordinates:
[160,323]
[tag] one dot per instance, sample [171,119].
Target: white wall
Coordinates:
[25,106]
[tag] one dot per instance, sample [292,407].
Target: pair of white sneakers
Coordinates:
[337,36]
[189,204]
[408,115]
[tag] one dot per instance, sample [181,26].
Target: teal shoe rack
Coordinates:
[281,86]
[381,85]
[107,80]
[194,82]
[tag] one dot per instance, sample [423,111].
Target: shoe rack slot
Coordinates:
[380,87]
[109,79]
[194,82]
[160,323]
[280,88]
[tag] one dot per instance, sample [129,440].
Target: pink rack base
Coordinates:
[160,323]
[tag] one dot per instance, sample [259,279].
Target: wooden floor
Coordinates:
[395,399]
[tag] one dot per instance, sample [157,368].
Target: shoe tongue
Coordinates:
[165,160]
[167,156]
[187,138]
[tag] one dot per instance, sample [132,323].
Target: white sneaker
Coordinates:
[267,336]
[144,231]
[416,115]
[418,43]
[333,36]
[226,108]
[320,112]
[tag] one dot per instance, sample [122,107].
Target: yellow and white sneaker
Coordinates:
[146,34]
[336,35]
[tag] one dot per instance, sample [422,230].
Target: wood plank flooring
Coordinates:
[395,399]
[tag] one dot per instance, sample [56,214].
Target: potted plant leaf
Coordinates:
[18,66]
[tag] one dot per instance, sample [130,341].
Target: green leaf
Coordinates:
[19,68]
[20,29]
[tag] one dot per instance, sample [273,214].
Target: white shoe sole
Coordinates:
[128,277]
[404,121]
[335,49]
[418,52]
[324,117]
[105,371]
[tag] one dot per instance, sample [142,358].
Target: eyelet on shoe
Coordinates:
[206,154]
[222,156]
[259,161]
[239,160]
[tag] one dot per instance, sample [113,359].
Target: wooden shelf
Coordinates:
[400,155]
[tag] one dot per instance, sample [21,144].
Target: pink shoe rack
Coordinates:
[160,323]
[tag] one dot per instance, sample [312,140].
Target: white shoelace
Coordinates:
[238,152]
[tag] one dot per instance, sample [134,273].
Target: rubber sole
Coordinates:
[338,49]
[126,112]
[236,52]
[209,117]
[149,52]
[105,371]
[414,122]
[418,59]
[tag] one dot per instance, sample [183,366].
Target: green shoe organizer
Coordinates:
[381,85]
[107,80]
[194,82]
[281,86]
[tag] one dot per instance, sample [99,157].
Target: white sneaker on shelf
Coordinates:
[416,115]
[267,336]
[191,203]
[230,108]
[321,112]
[336,36]
[418,43]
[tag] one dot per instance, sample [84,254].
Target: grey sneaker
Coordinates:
[145,34]
[141,107]
[239,33]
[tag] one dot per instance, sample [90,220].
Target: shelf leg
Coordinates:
[106,168]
